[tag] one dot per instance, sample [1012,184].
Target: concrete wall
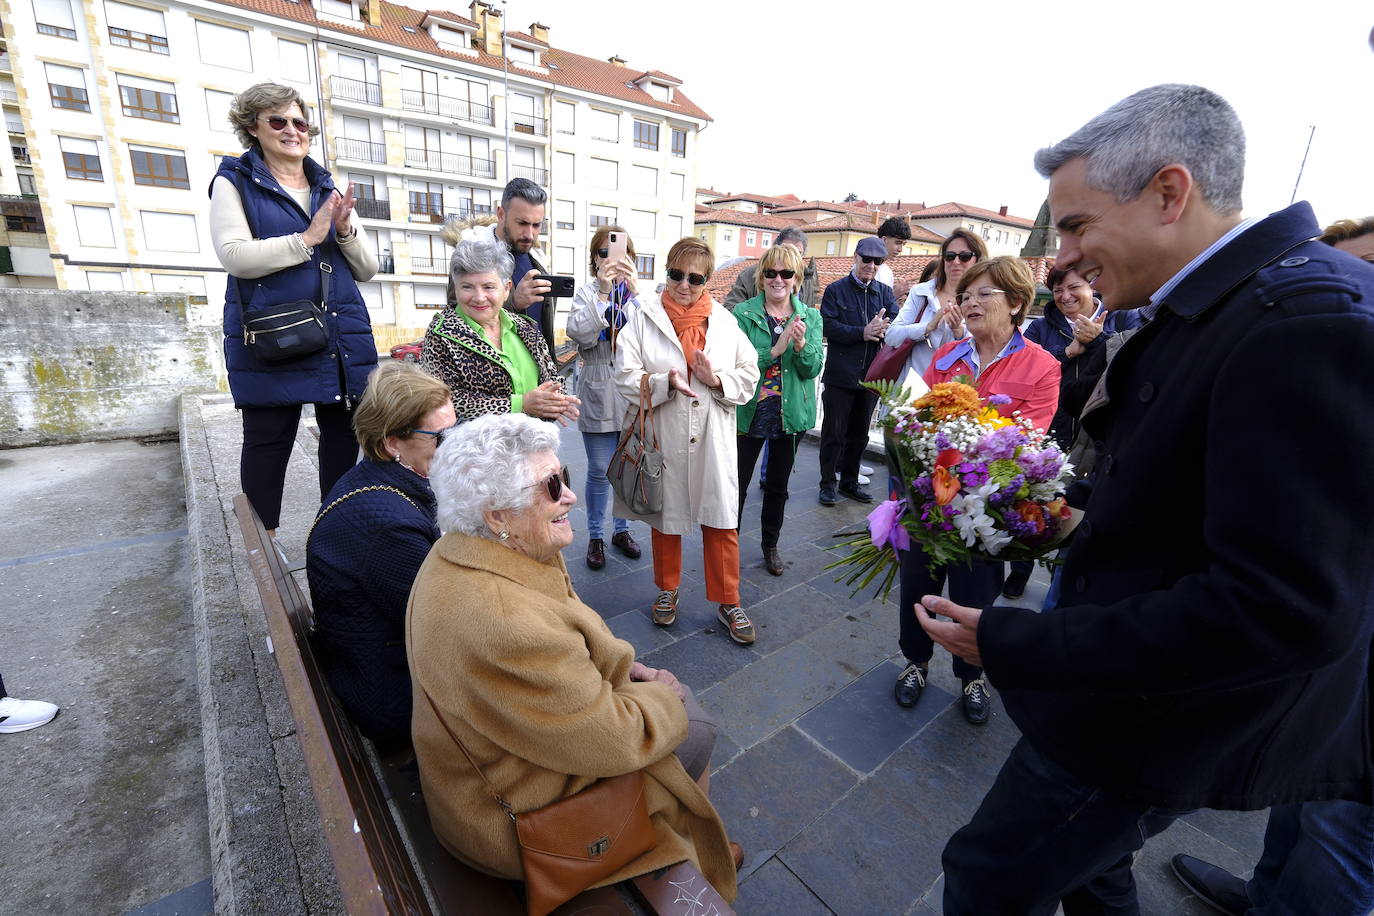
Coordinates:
[79,366]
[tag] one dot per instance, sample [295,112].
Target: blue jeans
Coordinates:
[600,447]
[1318,858]
[1042,836]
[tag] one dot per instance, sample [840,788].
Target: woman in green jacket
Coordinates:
[787,334]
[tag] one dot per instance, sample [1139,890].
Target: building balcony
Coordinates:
[4,63]
[22,214]
[442,106]
[450,162]
[368,208]
[432,266]
[350,90]
[426,213]
[538,176]
[359,150]
[529,124]
[9,97]
[21,155]
[467,211]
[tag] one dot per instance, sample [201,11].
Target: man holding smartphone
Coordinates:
[855,310]
[519,219]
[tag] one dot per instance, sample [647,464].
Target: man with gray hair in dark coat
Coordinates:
[1211,647]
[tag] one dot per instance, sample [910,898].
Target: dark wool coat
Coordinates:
[1212,644]
[361,560]
[846,307]
[338,373]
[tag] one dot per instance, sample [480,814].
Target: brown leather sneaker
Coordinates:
[736,622]
[664,611]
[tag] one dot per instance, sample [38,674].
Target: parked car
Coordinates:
[410,352]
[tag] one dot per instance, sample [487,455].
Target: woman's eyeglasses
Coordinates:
[676,276]
[964,256]
[771,274]
[277,122]
[554,483]
[438,434]
[980,295]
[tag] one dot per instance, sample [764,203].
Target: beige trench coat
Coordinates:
[697,435]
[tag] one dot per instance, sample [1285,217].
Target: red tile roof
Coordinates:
[772,201]
[957,209]
[450,16]
[707,215]
[527,38]
[573,70]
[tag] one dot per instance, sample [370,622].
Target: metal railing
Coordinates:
[386,264]
[538,176]
[21,155]
[450,162]
[360,150]
[428,266]
[529,124]
[10,96]
[427,213]
[5,62]
[468,211]
[458,109]
[370,208]
[341,87]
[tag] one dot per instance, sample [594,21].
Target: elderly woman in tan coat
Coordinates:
[700,367]
[505,659]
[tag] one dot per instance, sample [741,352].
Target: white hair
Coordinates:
[1128,143]
[484,465]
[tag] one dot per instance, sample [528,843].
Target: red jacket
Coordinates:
[1029,375]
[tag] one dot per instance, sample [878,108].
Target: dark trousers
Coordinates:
[268,435]
[777,471]
[1042,836]
[976,586]
[844,432]
[2,689]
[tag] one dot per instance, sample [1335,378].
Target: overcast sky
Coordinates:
[949,101]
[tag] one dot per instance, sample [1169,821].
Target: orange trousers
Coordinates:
[720,556]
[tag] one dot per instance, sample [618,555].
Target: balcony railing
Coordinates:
[9,97]
[5,62]
[468,211]
[538,176]
[21,155]
[368,208]
[360,150]
[529,124]
[341,87]
[386,264]
[450,162]
[428,266]
[458,109]
[423,213]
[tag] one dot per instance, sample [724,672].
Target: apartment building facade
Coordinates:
[124,107]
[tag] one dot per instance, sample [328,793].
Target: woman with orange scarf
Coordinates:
[700,367]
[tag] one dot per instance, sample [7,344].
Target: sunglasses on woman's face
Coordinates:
[771,274]
[554,483]
[603,253]
[676,276]
[964,256]
[438,434]
[277,122]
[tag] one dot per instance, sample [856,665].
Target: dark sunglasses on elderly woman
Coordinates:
[277,122]
[676,276]
[771,274]
[964,256]
[554,483]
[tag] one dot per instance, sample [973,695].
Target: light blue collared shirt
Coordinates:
[966,351]
[1149,311]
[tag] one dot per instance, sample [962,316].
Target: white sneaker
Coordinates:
[864,479]
[22,715]
[865,469]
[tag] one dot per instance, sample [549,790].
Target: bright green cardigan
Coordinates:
[799,370]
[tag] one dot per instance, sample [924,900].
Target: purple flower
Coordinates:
[942,441]
[923,487]
[1001,443]
[997,400]
[885,525]
[1042,466]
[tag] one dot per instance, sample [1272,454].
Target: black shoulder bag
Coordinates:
[278,333]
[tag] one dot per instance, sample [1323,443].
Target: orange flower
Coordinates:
[950,399]
[1032,513]
[1058,507]
[944,484]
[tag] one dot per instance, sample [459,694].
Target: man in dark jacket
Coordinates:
[1211,647]
[856,310]
[519,219]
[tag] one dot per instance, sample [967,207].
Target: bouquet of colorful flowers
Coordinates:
[978,484]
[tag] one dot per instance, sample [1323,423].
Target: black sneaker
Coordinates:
[828,496]
[909,685]
[977,702]
[1015,586]
[1214,886]
[856,492]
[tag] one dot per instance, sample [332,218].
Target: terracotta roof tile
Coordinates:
[758,199]
[707,215]
[957,209]
[527,39]
[451,16]
[573,70]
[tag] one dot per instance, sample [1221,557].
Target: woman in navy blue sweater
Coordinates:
[362,554]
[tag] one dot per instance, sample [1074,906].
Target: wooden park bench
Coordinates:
[386,855]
